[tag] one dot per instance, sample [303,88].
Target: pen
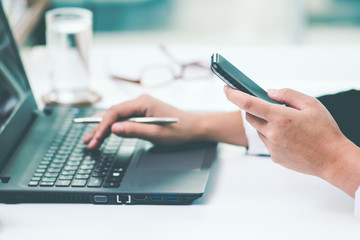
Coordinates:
[152,120]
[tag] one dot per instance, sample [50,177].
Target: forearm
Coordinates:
[222,127]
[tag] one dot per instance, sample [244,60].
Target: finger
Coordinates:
[103,127]
[137,130]
[291,97]
[91,140]
[94,143]
[89,136]
[266,142]
[258,123]
[151,132]
[130,108]
[250,104]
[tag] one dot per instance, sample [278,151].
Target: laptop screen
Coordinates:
[8,100]
[17,104]
[13,82]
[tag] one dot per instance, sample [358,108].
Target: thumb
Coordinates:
[291,97]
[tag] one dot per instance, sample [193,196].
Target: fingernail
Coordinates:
[225,88]
[92,144]
[118,128]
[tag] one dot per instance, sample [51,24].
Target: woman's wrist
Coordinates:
[221,127]
[199,128]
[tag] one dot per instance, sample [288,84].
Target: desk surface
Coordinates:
[247,197]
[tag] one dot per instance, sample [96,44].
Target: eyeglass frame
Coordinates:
[179,76]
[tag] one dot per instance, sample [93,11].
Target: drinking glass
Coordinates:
[68,41]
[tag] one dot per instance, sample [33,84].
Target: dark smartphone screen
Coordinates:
[235,78]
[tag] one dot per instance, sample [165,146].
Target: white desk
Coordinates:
[247,197]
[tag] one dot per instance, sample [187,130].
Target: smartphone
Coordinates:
[236,79]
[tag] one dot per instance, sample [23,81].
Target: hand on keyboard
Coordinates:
[167,134]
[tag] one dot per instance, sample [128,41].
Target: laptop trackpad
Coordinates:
[173,158]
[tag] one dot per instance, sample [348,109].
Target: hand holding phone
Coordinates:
[236,79]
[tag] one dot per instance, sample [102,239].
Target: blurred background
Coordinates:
[242,22]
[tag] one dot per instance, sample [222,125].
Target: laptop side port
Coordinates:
[122,199]
[100,199]
[171,198]
[139,197]
[156,198]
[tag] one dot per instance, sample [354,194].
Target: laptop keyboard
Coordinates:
[68,162]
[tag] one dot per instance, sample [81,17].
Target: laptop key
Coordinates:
[66,177]
[73,163]
[42,166]
[49,155]
[82,176]
[56,165]
[95,182]
[99,174]
[58,157]
[79,183]
[117,170]
[64,172]
[33,183]
[84,171]
[70,168]
[46,184]
[74,157]
[116,174]
[111,179]
[59,160]
[53,170]
[48,159]
[49,179]
[63,183]
[89,162]
[50,174]
[51,151]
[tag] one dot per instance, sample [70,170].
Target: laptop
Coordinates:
[43,158]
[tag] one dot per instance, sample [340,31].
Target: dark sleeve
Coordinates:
[345,109]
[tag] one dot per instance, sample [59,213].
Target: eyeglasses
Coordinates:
[155,75]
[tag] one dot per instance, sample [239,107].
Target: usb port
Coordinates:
[156,198]
[171,198]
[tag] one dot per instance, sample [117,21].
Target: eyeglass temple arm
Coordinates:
[117,77]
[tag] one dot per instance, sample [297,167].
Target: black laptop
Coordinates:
[43,158]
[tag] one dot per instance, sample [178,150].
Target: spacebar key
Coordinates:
[123,156]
